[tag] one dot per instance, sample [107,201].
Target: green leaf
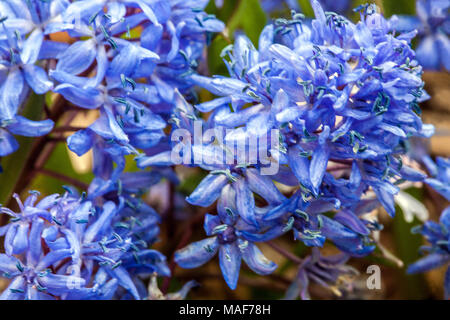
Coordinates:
[245,15]
[14,163]
[307,10]
[215,63]
[224,13]
[398,7]
[250,18]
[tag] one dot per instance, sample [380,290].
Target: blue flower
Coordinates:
[440,175]
[438,235]
[323,270]
[19,57]
[155,294]
[433,24]
[166,51]
[33,278]
[309,224]
[17,231]
[227,237]
[21,126]
[110,241]
[97,249]
[332,88]
[185,28]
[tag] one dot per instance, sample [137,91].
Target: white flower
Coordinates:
[411,207]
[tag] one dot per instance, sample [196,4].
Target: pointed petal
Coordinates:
[300,167]
[349,219]
[208,190]
[89,98]
[35,248]
[53,257]
[103,221]
[29,128]
[197,253]
[37,79]
[125,281]
[318,166]
[256,261]
[77,58]
[210,223]
[429,262]
[80,142]
[245,202]
[230,263]
[20,242]
[32,47]
[264,186]
[161,159]
[8,144]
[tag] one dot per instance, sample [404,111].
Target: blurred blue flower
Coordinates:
[433,23]
[325,271]
[438,235]
[440,175]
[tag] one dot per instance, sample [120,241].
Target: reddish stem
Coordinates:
[284,252]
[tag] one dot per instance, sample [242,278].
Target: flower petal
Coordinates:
[80,142]
[37,78]
[10,94]
[245,202]
[8,144]
[256,261]
[197,253]
[429,262]
[32,47]
[230,263]
[208,190]
[78,57]
[29,128]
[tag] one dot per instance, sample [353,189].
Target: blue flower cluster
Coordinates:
[19,70]
[124,58]
[343,99]
[298,135]
[91,246]
[433,23]
[437,234]
[129,78]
